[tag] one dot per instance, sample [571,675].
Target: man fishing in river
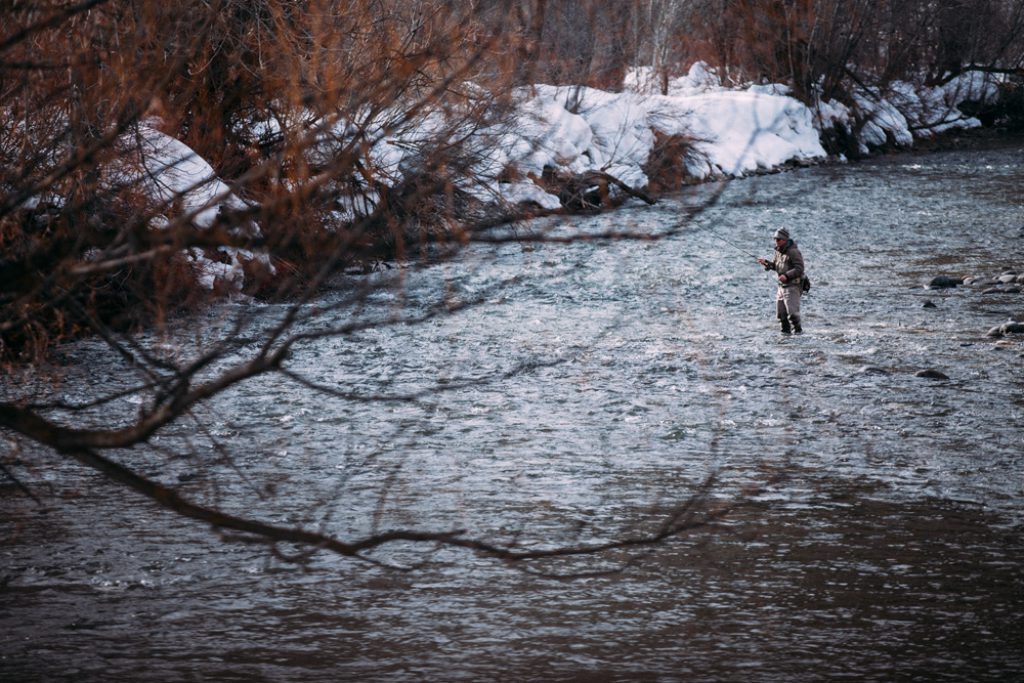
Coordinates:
[788,262]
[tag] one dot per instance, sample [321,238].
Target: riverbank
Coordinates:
[539,153]
[427,186]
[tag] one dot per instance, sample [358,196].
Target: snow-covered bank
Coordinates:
[733,131]
[177,180]
[908,113]
[569,131]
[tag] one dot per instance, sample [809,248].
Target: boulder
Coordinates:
[944,282]
[1011,327]
[931,374]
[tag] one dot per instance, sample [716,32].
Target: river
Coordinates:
[594,386]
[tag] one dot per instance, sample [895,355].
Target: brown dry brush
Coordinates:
[66,101]
[285,100]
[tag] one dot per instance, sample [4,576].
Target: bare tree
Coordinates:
[287,101]
[815,44]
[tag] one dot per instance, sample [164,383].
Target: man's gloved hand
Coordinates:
[783,279]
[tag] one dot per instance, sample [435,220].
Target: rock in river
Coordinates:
[944,281]
[1011,327]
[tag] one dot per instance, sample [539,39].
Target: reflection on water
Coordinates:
[598,382]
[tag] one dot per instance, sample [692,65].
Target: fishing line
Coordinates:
[743,251]
[734,246]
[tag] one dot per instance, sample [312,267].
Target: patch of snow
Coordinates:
[527,192]
[739,132]
[171,172]
[215,273]
[881,119]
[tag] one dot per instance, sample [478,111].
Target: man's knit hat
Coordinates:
[782,234]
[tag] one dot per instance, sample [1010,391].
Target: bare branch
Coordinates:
[17,482]
[686,517]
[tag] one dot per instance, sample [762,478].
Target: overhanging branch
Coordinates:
[692,514]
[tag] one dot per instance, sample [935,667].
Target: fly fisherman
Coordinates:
[788,262]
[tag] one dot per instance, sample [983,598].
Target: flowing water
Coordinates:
[592,387]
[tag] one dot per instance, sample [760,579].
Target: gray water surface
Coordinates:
[594,386]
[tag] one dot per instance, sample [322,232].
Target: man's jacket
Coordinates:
[789,261]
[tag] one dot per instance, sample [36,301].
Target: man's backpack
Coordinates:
[806,286]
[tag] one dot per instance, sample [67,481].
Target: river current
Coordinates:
[589,388]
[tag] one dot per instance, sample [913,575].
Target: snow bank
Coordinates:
[575,129]
[906,112]
[743,132]
[733,131]
[174,176]
[172,173]
[572,130]
[933,111]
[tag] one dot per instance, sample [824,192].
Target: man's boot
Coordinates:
[795,319]
[785,325]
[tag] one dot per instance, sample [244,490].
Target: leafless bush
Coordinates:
[666,165]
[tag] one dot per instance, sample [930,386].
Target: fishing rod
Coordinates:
[731,244]
[743,251]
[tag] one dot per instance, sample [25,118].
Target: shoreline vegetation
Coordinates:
[157,159]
